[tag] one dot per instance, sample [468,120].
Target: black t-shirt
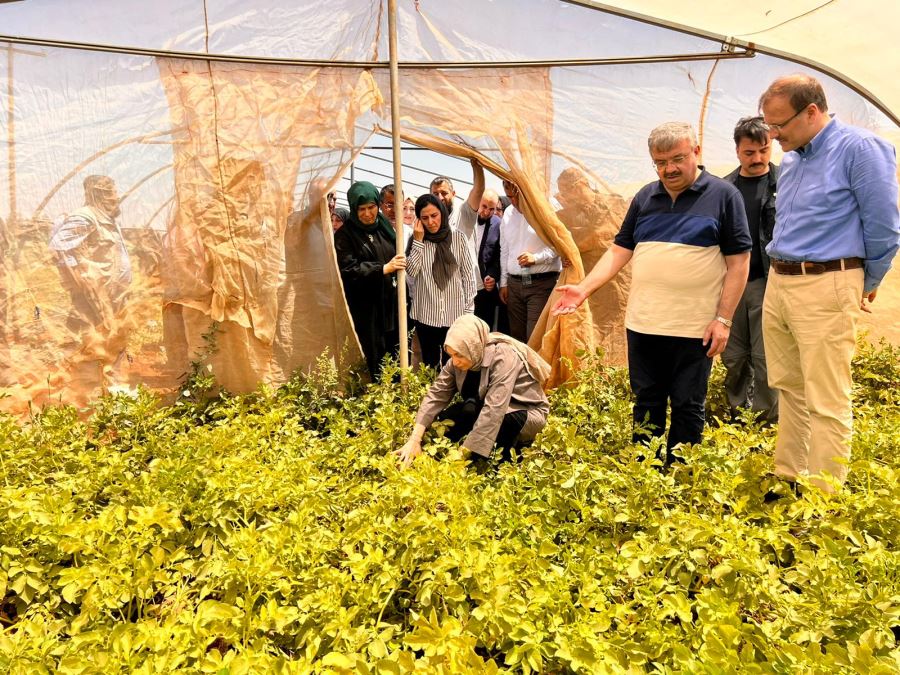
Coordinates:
[753,190]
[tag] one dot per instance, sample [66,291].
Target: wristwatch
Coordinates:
[726,322]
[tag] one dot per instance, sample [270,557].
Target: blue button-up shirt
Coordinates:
[837,198]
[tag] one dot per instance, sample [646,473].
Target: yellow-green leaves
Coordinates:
[274,533]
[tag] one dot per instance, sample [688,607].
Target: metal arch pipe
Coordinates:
[398,184]
[728,51]
[93,158]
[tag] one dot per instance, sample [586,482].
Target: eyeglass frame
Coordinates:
[662,164]
[778,127]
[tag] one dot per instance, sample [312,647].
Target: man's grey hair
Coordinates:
[666,136]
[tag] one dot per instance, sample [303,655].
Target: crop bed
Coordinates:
[274,533]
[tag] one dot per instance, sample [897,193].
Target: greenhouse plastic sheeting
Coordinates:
[221,254]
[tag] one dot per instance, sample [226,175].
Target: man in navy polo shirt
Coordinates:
[687,234]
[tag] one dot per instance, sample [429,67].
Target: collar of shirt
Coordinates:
[698,185]
[820,139]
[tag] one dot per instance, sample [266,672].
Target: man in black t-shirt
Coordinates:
[746,383]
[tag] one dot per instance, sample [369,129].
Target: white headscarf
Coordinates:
[469,335]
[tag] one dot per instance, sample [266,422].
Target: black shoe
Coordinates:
[669,459]
[778,492]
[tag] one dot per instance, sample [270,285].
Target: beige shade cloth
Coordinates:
[223,165]
[243,131]
[472,113]
[593,216]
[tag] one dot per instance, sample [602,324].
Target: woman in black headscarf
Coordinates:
[366,256]
[339,217]
[442,267]
[501,206]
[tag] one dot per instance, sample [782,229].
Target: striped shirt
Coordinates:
[431,305]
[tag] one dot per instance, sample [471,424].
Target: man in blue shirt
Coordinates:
[836,231]
[686,235]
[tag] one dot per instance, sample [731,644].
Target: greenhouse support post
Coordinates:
[398,185]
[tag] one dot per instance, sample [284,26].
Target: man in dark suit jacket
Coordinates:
[487,251]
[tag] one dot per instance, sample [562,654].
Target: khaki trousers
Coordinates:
[809,330]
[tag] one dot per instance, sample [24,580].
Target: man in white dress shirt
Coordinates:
[528,268]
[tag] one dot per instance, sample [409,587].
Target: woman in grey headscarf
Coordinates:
[501,383]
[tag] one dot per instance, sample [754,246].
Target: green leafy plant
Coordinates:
[273,532]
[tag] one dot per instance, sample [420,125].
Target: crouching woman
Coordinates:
[500,381]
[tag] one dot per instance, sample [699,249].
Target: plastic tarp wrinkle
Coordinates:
[223,165]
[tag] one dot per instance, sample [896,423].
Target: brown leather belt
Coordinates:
[806,267]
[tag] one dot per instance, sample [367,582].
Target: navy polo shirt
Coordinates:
[678,267]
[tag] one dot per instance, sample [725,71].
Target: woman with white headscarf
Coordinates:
[501,383]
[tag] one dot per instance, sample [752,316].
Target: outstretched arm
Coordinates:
[615,258]
[439,395]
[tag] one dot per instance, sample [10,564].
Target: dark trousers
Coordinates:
[668,370]
[746,379]
[525,303]
[465,413]
[431,340]
[490,309]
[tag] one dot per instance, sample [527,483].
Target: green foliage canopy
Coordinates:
[274,533]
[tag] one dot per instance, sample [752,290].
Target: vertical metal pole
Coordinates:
[11,138]
[398,184]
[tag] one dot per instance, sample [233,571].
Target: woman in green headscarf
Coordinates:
[366,256]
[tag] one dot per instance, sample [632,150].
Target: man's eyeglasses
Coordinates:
[661,164]
[778,127]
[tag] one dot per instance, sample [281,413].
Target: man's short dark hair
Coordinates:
[441,179]
[800,90]
[386,190]
[753,129]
